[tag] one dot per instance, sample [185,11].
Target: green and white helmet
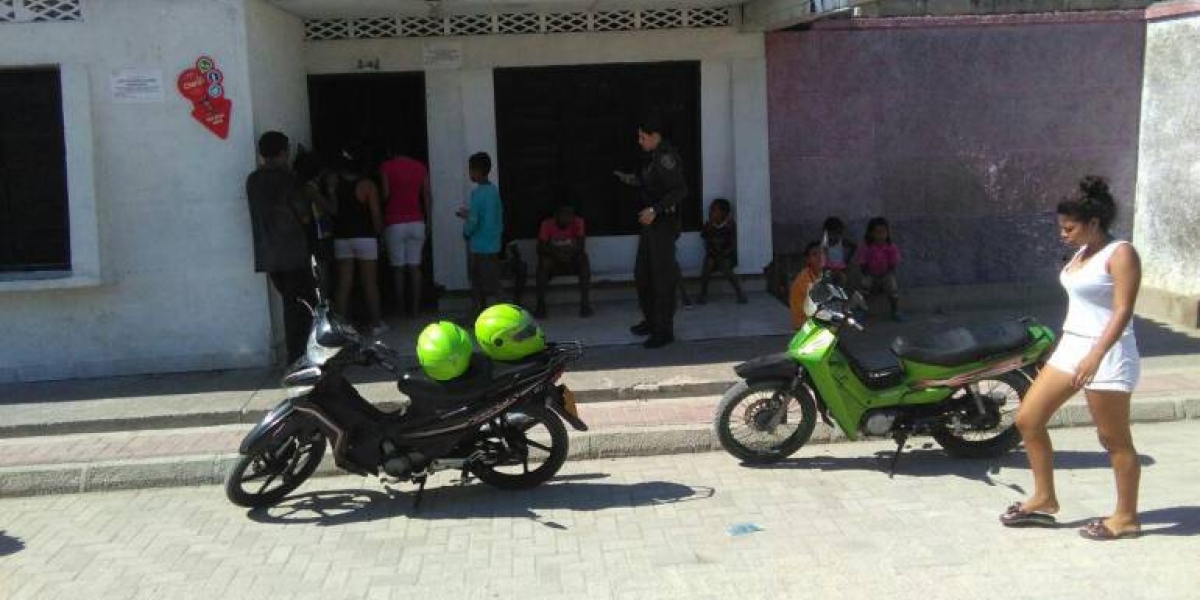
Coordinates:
[508,332]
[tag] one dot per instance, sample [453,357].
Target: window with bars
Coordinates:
[562,131]
[34,229]
[40,11]
[516,23]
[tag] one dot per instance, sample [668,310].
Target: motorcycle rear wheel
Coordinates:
[551,446]
[738,434]
[1000,440]
[289,463]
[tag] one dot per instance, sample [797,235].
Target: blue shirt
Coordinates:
[485,220]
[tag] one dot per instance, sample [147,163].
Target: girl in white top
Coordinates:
[1098,354]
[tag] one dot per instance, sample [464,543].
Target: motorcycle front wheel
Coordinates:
[750,426]
[533,435]
[265,477]
[1004,393]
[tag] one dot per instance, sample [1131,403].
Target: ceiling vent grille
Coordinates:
[513,23]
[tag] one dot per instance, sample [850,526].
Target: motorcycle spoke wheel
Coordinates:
[1003,394]
[1006,398]
[759,426]
[764,422]
[535,450]
[264,478]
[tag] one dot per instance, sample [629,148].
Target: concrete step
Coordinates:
[203,456]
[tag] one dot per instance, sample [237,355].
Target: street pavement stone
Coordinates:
[833,524]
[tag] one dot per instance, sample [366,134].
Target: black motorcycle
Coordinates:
[492,422]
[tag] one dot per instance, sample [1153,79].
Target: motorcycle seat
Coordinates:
[467,388]
[482,376]
[962,345]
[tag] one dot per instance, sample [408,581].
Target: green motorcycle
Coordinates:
[961,386]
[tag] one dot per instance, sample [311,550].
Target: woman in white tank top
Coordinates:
[1098,354]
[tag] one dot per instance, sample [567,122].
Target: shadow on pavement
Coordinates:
[1176,521]
[10,544]
[935,463]
[342,507]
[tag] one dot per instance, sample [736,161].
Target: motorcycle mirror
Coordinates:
[820,294]
[857,300]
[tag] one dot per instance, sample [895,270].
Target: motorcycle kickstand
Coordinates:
[901,438]
[416,506]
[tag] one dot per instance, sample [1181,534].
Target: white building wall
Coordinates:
[461,120]
[172,285]
[278,83]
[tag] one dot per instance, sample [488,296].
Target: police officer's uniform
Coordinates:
[656,274]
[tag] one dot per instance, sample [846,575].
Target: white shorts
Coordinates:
[356,248]
[404,243]
[1119,370]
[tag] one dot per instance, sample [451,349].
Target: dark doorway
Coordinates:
[34,226]
[382,112]
[562,131]
[377,109]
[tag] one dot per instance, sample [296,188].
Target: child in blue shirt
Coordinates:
[483,229]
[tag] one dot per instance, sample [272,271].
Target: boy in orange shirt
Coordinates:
[814,264]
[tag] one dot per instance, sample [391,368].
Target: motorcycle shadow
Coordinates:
[327,508]
[936,463]
[10,544]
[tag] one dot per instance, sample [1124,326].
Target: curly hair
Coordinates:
[1092,200]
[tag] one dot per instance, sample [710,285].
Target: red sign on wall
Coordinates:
[204,86]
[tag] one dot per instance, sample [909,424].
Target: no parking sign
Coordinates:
[204,85]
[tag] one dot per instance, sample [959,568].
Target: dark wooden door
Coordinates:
[562,131]
[34,226]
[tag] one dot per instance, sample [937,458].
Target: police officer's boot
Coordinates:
[658,340]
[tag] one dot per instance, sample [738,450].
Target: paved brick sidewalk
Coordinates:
[833,525]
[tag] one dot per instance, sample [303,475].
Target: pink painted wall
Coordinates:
[963,132]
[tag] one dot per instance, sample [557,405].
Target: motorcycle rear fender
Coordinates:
[558,405]
[265,429]
[773,366]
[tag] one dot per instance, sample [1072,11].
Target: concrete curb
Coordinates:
[180,471]
[640,391]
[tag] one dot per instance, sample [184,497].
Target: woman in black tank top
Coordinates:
[355,243]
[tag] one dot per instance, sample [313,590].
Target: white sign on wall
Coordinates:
[137,85]
[442,55]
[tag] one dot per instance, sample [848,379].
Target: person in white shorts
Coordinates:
[1097,353]
[408,200]
[355,234]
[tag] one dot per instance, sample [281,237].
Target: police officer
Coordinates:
[656,274]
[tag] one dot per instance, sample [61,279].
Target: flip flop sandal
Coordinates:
[1098,531]
[1015,516]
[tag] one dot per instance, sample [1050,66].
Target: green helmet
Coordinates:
[444,350]
[508,332]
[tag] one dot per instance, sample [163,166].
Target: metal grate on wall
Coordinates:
[40,11]
[515,23]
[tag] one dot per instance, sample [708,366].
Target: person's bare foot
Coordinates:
[1122,525]
[1049,507]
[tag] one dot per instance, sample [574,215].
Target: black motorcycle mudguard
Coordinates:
[773,366]
[262,432]
[558,405]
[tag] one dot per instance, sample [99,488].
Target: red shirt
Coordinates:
[405,178]
[557,236]
[877,259]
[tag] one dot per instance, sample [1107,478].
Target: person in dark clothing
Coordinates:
[656,273]
[279,219]
[355,237]
[720,249]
